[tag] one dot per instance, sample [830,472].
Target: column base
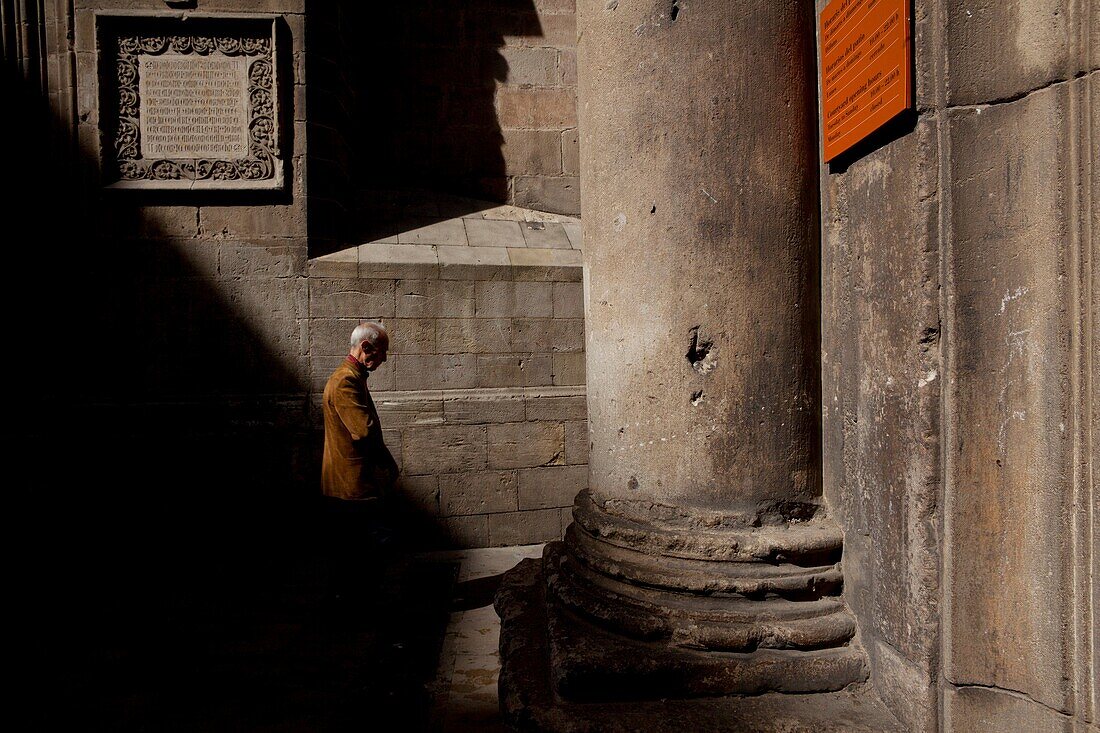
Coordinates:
[548,653]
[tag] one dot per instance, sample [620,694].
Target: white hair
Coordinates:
[371,332]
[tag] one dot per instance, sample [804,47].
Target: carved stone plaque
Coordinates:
[195,103]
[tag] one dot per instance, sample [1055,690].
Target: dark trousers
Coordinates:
[360,544]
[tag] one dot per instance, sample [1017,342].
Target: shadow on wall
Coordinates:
[422,76]
[170,490]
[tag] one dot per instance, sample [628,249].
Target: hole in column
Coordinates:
[700,353]
[675,10]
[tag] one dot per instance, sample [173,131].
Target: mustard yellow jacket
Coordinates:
[356,463]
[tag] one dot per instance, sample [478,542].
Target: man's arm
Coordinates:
[352,409]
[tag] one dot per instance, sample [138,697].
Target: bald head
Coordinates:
[369,344]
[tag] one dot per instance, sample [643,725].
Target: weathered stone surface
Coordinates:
[248,260]
[559,29]
[1003,50]
[906,685]
[1010,586]
[489,233]
[543,108]
[434,299]
[419,492]
[881,414]
[590,662]
[358,299]
[576,443]
[982,710]
[474,263]
[321,367]
[444,449]
[568,369]
[382,378]
[279,299]
[478,493]
[482,406]
[570,151]
[342,264]
[547,235]
[556,6]
[471,531]
[560,194]
[413,336]
[401,409]
[575,234]
[521,445]
[237,222]
[551,487]
[532,152]
[435,371]
[524,528]
[398,261]
[330,336]
[533,66]
[568,300]
[552,404]
[547,335]
[546,264]
[522,299]
[474,335]
[514,370]
[446,232]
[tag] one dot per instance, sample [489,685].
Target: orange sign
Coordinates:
[865,77]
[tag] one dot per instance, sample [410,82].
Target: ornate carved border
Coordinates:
[261,168]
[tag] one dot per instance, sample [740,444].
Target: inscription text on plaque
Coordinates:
[193,106]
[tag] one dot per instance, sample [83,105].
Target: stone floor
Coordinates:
[465,688]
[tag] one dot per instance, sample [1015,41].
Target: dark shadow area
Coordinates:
[182,577]
[401,101]
[476,593]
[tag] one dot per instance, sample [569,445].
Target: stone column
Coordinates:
[702,561]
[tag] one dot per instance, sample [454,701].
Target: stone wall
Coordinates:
[958,311]
[199,300]
[471,98]
[214,332]
[482,399]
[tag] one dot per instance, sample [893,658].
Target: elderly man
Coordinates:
[357,471]
[356,463]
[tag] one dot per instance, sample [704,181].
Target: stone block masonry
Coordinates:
[486,95]
[482,399]
[958,342]
[497,463]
